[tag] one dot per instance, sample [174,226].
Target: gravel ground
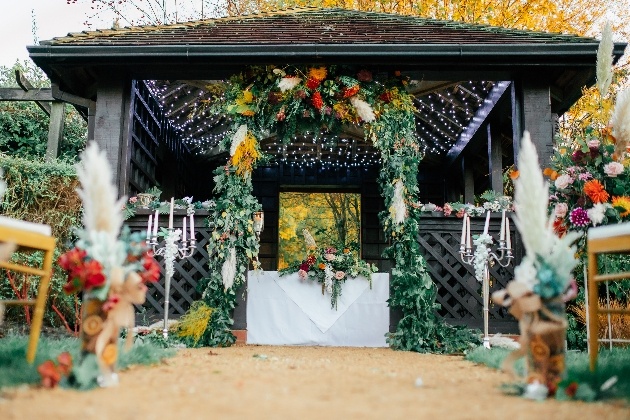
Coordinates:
[262,382]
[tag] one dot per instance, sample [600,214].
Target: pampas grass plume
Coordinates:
[238,138]
[398,203]
[620,122]
[605,60]
[228,270]
[364,110]
[288,83]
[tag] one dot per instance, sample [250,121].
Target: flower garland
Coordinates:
[171,250]
[292,100]
[330,267]
[482,243]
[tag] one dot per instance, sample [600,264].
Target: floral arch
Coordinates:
[281,102]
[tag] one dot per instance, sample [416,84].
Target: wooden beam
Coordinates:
[495,159]
[23,82]
[18,94]
[425,87]
[475,123]
[55,130]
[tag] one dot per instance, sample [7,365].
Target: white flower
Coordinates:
[613,169]
[563,181]
[561,210]
[482,251]
[536,391]
[398,209]
[188,200]
[596,213]
[238,138]
[605,60]
[288,83]
[364,110]
[593,144]
[171,251]
[429,207]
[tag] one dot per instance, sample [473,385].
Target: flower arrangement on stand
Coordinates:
[109,267]
[536,296]
[330,267]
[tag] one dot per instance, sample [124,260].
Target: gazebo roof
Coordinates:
[452,61]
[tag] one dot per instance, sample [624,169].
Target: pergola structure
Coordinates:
[477,88]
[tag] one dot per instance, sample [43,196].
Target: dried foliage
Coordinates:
[619,324]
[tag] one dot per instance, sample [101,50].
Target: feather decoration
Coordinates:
[308,239]
[620,122]
[288,83]
[544,249]
[364,110]
[238,138]
[605,60]
[102,212]
[398,208]
[228,271]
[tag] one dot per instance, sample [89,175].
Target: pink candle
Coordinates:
[502,233]
[192,227]
[149,226]
[155,224]
[463,238]
[485,227]
[509,241]
[468,238]
[184,229]
[170,217]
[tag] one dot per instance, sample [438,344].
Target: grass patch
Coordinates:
[15,370]
[615,362]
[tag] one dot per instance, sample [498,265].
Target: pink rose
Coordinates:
[563,181]
[329,257]
[133,199]
[303,274]
[593,144]
[339,275]
[613,169]
[447,209]
[561,210]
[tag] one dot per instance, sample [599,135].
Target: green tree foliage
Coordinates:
[24,126]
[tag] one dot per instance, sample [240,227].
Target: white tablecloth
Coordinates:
[287,311]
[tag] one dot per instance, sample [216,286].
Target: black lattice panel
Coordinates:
[459,292]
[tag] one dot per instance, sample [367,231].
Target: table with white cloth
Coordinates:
[287,310]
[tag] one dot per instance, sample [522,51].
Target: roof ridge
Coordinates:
[324,11]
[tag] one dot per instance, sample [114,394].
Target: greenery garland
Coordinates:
[291,100]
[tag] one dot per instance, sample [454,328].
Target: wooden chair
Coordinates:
[31,236]
[611,239]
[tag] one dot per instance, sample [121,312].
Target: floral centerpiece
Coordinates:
[110,269]
[590,176]
[537,294]
[330,267]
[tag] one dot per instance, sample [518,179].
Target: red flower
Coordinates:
[310,260]
[110,303]
[385,97]
[571,389]
[313,83]
[316,100]
[92,274]
[49,373]
[559,227]
[351,91]
[364,76]
[72,259]
[304,266]
[65,363]
[151,271]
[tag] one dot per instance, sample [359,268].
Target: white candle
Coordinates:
[468,238]
[170,217]
[155,224]
[502,233]
[192,227]
[485,227]
[507,228]
[463,238]
[184,229]
[149,226]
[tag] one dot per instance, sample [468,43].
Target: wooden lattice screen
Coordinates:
[459,292]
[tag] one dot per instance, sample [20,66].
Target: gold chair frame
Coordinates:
[27,239]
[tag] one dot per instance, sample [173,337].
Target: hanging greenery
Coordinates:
[265,101]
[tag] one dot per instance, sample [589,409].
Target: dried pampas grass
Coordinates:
[398,208]
[228,271]
[288,83]
[605,60]
[620,122]
[238,138]
[364,110]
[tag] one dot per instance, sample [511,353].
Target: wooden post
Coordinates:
[495,160]
[533,102]
[55,130]
[469,181]
[110,126]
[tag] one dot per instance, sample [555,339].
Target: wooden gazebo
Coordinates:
[477,88]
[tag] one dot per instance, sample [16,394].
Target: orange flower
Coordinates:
[318,73]
[514,174]
[49,373]
[622,204]
[559,227]
[553,175]
[110,354]
[595,191]
[322,266]
[351,91]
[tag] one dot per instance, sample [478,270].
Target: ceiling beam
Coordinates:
[18,94]
[480,117]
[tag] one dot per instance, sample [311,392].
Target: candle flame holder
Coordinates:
[502,255]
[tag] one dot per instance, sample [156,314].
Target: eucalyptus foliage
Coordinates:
[289,101]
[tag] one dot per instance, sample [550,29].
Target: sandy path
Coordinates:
[299,383]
